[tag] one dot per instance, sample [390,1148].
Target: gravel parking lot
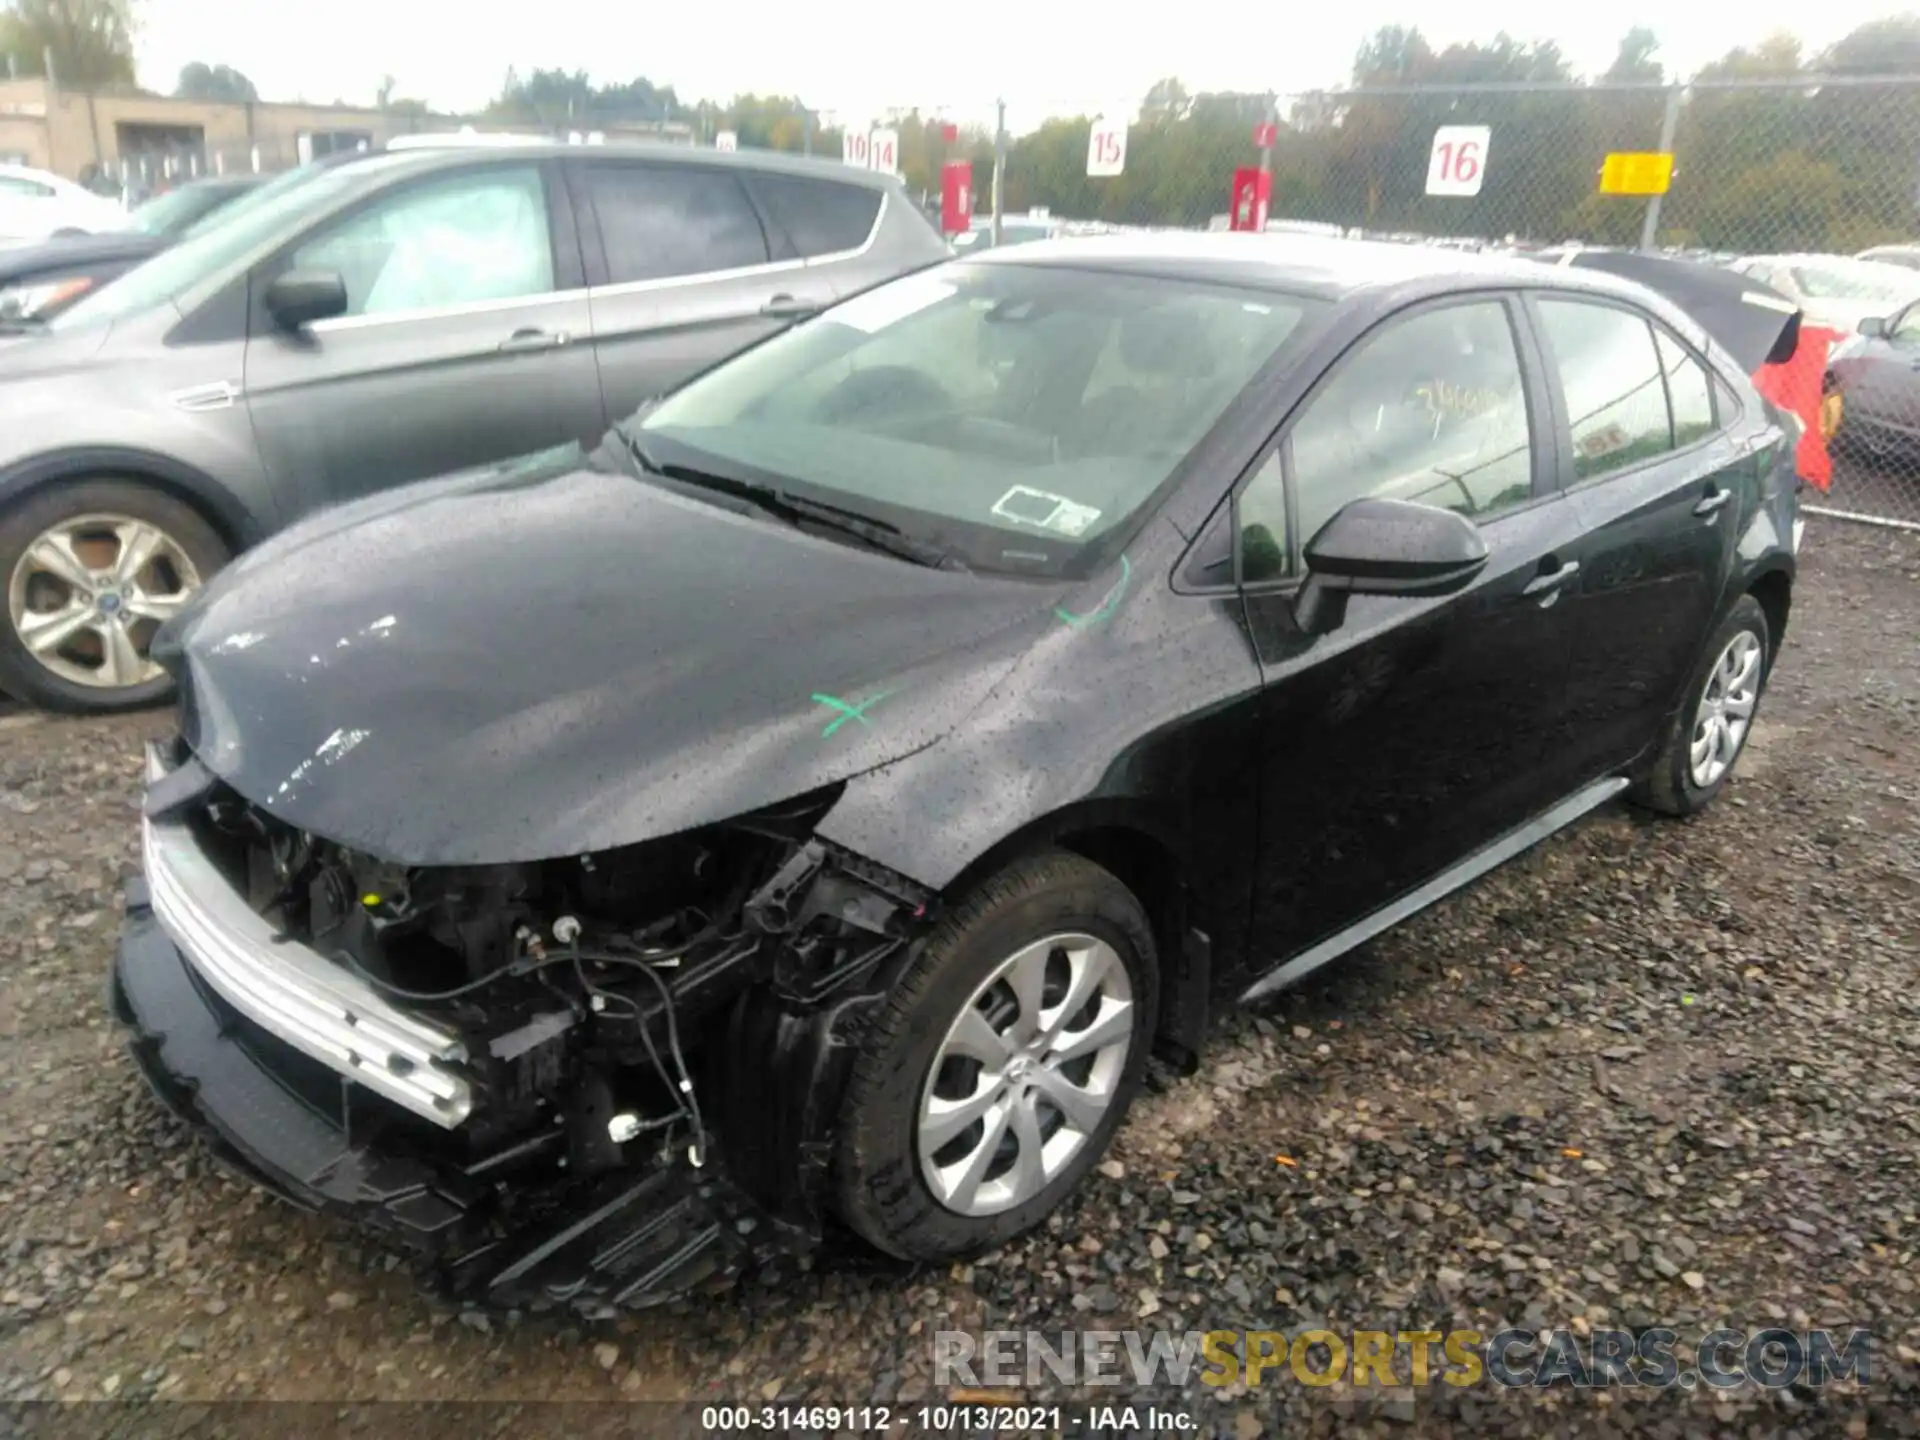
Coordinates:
[1652,1073]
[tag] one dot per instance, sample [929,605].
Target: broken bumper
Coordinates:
[636,1239]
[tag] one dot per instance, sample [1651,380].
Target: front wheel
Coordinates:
[1708,735]
[1002,1064]
[92,570]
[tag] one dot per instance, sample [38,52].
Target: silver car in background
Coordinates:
[381,319]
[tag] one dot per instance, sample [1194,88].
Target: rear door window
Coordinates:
[815,217]
[1611,376]
[662,222]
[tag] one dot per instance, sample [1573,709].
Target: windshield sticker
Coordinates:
[1026,506]
[847,711]
[1106,606]
[877,309]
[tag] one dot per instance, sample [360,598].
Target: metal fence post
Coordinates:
[1669,124]
[999,162]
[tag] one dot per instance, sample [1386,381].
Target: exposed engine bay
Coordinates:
[631,1020]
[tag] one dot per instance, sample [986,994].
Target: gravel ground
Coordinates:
[1652,1073]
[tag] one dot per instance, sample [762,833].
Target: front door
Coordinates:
[458,347]
[1419,729]
[681,271]
[1662,487]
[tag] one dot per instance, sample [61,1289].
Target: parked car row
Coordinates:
[35,205]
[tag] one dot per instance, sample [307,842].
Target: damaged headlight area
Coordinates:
[598,1079]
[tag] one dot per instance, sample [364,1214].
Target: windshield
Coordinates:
[217,240]
[172,213]
[1011,415]
[1853,280]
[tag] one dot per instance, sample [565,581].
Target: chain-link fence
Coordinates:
[1790,180]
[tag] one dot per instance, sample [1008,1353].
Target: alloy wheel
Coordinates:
[1025,1074]
[1725,712]
[87,596]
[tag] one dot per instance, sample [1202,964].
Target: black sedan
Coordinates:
[818,802]
[39,280]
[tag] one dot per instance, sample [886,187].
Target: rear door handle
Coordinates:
[1550,583]
[522,342]
[1711,502]
[789,307]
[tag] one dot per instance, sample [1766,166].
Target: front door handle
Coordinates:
[523,342]
[1711,502]
[1550,583]
[789,307]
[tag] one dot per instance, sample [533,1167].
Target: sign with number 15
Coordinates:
[1458,163]
[1107,147]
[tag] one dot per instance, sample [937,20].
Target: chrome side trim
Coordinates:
[296,993]
[1487,857]
[218,395]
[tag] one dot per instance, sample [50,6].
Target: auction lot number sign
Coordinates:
[1457,164]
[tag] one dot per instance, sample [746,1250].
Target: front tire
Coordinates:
[92,569]
[1002,1063]
[1709,734]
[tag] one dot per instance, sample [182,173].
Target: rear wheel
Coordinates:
[1708,735]
[1002,1064]
[92,570]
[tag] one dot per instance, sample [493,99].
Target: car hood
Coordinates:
[74,253]
[548,658]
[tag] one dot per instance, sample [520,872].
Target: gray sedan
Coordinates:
[365,323]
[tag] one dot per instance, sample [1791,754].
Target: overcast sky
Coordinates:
[855,59]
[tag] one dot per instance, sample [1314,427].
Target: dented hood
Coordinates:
[514,665]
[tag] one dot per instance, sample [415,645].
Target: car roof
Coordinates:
[1295,263]
[459,152]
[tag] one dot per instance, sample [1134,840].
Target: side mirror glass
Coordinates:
[300,297]
[1385,547]
[1873,325]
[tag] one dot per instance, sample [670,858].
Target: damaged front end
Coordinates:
[599,1080]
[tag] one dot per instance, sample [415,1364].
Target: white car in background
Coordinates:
[1836,291]
[36,206]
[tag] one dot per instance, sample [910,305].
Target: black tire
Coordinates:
[1668,788]
[882,1195]
[21,673]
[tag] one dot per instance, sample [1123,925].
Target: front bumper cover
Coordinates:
[640,1238]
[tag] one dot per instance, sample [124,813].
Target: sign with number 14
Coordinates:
[1458,163]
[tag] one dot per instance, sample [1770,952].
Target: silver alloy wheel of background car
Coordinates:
[87,595]
[1725,712]
[1025,1074]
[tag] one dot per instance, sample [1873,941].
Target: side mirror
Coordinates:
[1873,325]
[301,297]
[1385,547]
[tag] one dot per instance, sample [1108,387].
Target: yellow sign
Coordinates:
[1648,172]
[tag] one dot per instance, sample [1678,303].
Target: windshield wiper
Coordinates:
[869,530]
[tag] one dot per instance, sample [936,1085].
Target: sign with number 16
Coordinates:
[1458,163]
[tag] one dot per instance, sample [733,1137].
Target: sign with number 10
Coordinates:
[1458,162]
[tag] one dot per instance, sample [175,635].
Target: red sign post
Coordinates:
[1252,189]
[956,196]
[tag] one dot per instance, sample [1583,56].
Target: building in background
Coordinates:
[143,141]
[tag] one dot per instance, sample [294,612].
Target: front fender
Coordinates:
[238,523]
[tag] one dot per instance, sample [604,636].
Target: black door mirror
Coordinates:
[301,297]
[1873,325]
[1385,547]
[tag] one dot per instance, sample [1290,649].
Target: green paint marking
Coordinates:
[1107,606]
[847,712]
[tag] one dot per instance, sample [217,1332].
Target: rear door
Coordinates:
[681,272]
[1664,473]
[467,337]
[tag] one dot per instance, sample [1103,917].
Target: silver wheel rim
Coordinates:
[1027,1071]
[1725,712]
[87,595]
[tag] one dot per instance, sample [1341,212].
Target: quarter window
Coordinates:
[818,217]
[1616,398]
[1431,409]
[1689,392]
[464,240]
[660,222]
